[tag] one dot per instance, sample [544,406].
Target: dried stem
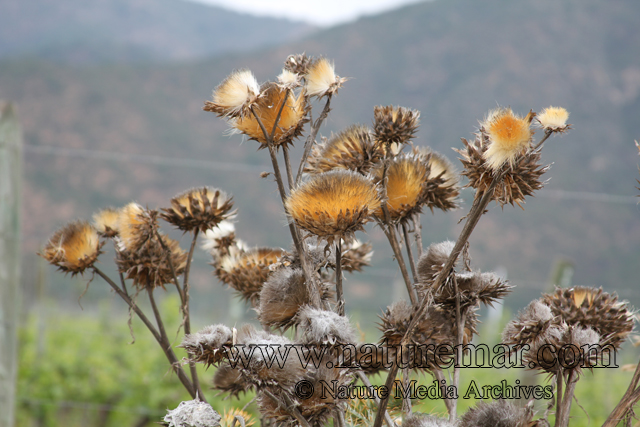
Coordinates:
[287,163]
[186,310]
[366,382]
[412,261]
[572,380]
[417,233]
[297,241]
[456,368]
[630,398]
[442,384]
[547,134]
[313,132]
[163,341]
[560,383]
[476,211]
[339,293]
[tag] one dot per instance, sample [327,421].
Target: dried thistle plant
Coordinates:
[73,248]
[199,208]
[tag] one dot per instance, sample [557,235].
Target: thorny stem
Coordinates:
[630,398]
[299,244]
[187,314]
[412,262]
[366,382]
[339,293]
[315,127]
[417,232]
[166,347]
[476,211]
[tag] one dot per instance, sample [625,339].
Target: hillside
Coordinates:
[101,31]
[453,60]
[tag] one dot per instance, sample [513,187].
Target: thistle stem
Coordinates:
[572,380]
[476,211]
[366,382]
[297,241]
[290,408]
[442,383]
[287,163]
[187,312]
[547,134]
[560,383]
[412,262]
[166,347]
[339,293]
[167,251]
[417,232]
[315,127]
[456,367]
[631,396]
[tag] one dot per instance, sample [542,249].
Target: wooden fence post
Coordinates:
[10,177]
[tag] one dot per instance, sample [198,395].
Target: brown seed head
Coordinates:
[148,265]
[521,180]
[199,208]
[530,324]
[298,64]
[230,380]
[351,149]
[499,413]
[235,95]
[593,308]
[73,248]
[289,124]
[206,345]
[323,327]
[334,204]
[394,125]
[246,271]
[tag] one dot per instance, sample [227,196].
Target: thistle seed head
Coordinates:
[417,419]
[106,222]
[394,125]
[230,380]
[246,271]
[199,208]
[509,136]
[298,64]
[323,327]
[499,413]
[529,325]
[554,119]
[287,127]
[235,95]
[73,248]
[321,79]
[352,149]
[205,346]
[193,413]
[333,205]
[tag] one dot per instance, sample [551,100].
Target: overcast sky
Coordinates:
[319,12]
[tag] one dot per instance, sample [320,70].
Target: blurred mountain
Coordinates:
[453,60]
[79,31]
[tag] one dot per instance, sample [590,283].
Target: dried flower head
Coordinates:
[432,261]
[529,325]
[554,119]
[520,181]
[199,208]
[136,226]
[288,120]
[206,345]
[246,271]
[219,239]
[356,255]
[106,222]
[409,188]
[321,79]
[473,287]
[436,327]
[298,64]
[324,327]
[282,295]
[334,204]
[148,265]
[509,136]
[499,413]
[593,308]
[394,125]
[288,79]
[193,413]
[235,95]
[230,380]
[73,248]
[441,169]
[351,149]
